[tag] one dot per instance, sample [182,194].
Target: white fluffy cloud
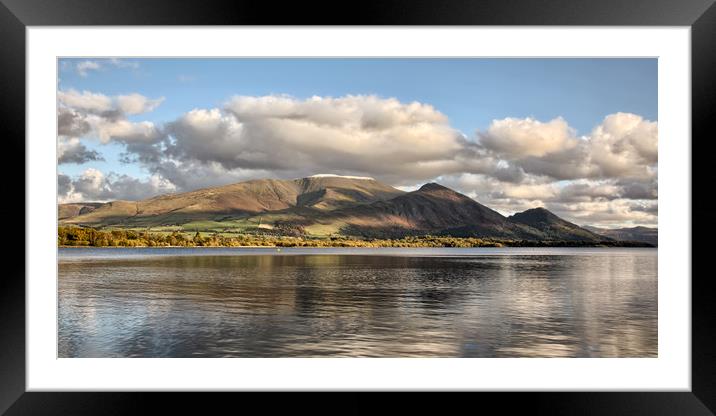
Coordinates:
[85,101]
[94,185]
[125,131]
[622,145]
[83,68]
[89,115]
[89,102]
[358,134]
[528,137]
[137,103]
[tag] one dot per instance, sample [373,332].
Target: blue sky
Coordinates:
[470,92]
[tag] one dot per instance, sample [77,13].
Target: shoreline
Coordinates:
[361,247]
[90,237]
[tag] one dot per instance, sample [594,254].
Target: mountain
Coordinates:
[641,234]
[432,209]
[552,227]
[319,193]
[326,205]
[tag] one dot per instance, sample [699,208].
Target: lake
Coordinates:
[357,302]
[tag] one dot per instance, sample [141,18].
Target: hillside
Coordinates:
[431,209]
[641,234]
[552,227]
[74,209]
[240,200]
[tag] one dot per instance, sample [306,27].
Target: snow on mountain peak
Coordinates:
[330,175]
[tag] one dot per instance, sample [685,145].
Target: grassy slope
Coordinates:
[74,209]
[237,204]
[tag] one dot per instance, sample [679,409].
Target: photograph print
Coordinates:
[357,207]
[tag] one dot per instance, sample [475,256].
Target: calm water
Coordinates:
[357,302]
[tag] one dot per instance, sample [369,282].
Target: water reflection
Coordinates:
[579,303]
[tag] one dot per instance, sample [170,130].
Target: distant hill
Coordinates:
[641,234]
[327,205]
[72,210]
[552,227]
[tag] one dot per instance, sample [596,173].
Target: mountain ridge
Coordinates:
[241,199]
[433,208]
[649,235]
[327,205]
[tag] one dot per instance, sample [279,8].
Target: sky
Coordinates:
[577,136]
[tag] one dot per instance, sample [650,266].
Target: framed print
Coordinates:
[404,198]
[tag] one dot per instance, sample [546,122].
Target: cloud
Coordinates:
[94,185]
[126,131]
[71,150]
[528,137]
[569,164]
[122,63]
[89,115]
[85,101]
[190,175]
[107,106]
[622,145]
[137,103]
[71,123]
[83,68]
[606,202]
[64,184]
[606,178]
[586,190]
[617,212]
[352,134]
[638,189]
[528,191]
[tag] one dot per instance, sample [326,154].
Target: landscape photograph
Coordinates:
[357,207]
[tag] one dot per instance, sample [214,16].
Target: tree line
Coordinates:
[73,236]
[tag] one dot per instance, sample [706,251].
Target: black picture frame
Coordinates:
[16,15]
